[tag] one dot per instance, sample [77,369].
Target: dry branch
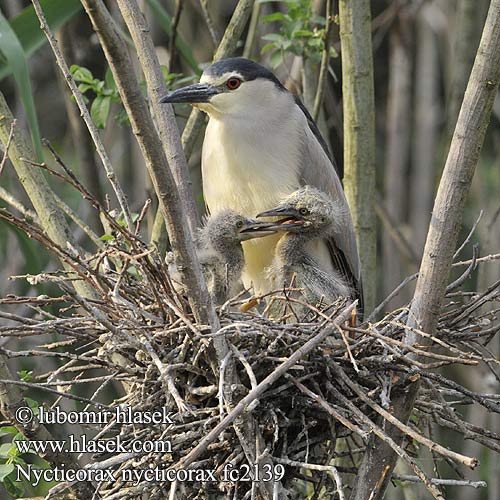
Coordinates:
[163,113]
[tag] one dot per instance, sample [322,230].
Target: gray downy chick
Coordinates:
[221,254]
[307,217]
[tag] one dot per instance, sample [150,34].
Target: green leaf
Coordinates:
[276,59]
[273,37]
[267,47]
[276,16]
[99,110]
[27,26]
[333,52]
[109,79]
[107,237]
[32,404]
[318,20]
[5,470]
[6,450]
[26,375]
[302,33]
[83,87]
[14,488]
[8,429]
[81,74]
[13,52]
[165,22]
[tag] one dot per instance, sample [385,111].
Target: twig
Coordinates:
[466,274]
[214,35]
[179,4]
[441,482]
[7,146]
[330,410]
[376,430]
[15,203]
[393,294]
[163,113]
[468,461]
[252,30]
[170,202]
[325,61]
[469,236]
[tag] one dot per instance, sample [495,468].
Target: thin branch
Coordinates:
[15,203]
[441,482]
[85,114]
[163,113]
[252,30]
[179,4]
[7,146]
[325,61]
[214,34]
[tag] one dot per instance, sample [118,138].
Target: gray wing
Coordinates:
[317,169]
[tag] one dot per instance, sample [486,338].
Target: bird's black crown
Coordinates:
[249,70]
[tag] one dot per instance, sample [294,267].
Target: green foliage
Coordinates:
[20,38]
[25,375]
[10,457]
[26,26]
[106,92]
[301,32]
[14,56]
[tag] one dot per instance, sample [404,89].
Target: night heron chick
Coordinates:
[261,144]
[307,217]
[221,254]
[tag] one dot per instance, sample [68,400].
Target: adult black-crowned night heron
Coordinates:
[221,254]
[306,216]
[261,144]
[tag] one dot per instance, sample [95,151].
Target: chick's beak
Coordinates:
[288,218]
[198,92]
[256,229]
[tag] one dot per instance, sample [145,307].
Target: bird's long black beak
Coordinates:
[288,218]
[256,229]
[198,92]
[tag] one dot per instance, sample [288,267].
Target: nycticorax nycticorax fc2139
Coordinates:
[261,144]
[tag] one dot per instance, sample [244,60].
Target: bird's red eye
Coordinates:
[233,83]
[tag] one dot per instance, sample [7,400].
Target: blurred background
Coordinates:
[423,51]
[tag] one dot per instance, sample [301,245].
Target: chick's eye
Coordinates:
[239,224]
[303,211]
[233,83]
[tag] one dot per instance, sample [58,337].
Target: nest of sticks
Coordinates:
[302,396]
